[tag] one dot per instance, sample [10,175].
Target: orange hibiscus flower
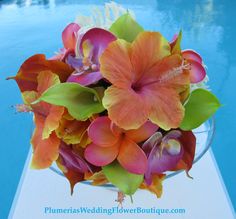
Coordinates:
[146,82]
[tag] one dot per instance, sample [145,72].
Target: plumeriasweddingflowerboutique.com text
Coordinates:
[114,210]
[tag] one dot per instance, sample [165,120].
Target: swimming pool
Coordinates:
[28,27]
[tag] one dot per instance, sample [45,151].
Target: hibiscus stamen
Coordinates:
[22,108]
[120,198]
[166,76]
[175,72]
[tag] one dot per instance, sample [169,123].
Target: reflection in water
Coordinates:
[27,3]
[24,3]
[202,31]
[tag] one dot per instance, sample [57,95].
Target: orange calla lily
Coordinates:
[26,77]
[72,164]
[146,82]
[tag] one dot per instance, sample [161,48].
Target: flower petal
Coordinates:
[125,108]
[97,178]
[154,140]
[69,35]
[161,160]
[100,132]
[45,80]
[160,163]
[72,131]
[87,50]
[29,97]
[173,40]
[115,64]
[73,176]
[101,156]
[188,141]
[142,133]
[45,151]
[72,160]
[147,49]
[132,157]
[184,95]
[166,109]
[175,43]
[52,114]
[174,152]
[117,131]
[85,79]
[52,120]
[26,77]
[197,71]
[169,72]
[162,83]
[76,63]
[191,54]
[100,39]
[63,55]
[155,186]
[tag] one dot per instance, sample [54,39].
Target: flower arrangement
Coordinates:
[116,104]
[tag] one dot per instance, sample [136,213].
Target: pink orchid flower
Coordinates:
[91,46]
[110,142]
[171,152]
[69,39]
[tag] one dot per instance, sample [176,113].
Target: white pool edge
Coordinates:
[26,165]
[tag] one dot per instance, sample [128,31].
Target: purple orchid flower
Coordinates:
[173,151]
[91,46]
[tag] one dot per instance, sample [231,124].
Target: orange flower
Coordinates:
[146,82]
[110,142]
[44,140]
[73,131]
[156,184]
[26,77]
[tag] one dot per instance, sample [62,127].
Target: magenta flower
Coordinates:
[69,39]
[171,152]
[91,46]
[110,142]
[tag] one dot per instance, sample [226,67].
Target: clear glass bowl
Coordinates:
[204,136]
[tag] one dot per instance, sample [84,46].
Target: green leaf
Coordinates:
[126,28]
[127,182]
[201,105]
[81,102]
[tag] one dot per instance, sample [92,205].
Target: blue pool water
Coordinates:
[29,27]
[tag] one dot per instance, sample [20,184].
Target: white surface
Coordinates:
[204,197]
